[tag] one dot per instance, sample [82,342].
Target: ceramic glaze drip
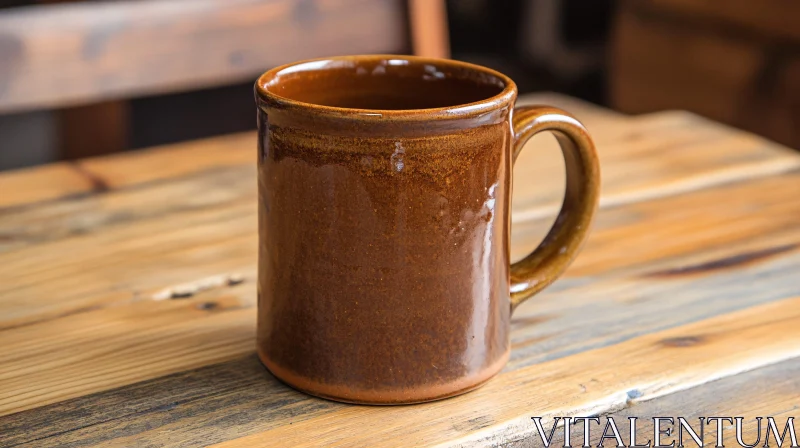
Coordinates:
[397,157]
[362,255]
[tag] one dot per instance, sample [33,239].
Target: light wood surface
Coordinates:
[80,52]
[772,391]
[695,251]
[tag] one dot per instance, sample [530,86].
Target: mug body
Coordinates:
[384,203]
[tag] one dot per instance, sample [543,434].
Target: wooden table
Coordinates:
[684,302]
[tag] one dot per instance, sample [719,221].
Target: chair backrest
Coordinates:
[75,53]
[75,63]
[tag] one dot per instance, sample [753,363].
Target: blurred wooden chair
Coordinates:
[738,63]
[83,58]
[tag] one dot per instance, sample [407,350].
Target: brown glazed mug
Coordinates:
[384,221]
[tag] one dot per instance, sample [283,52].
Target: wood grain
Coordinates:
[647,157]
[673,227]
[203,224]
[717,154]
[29,185]
[619,285]
[237,399]
[652,161]
[163,162]
[100,174]
[697,354]
[589,113]
[696,247]
[772,391]
[64,54]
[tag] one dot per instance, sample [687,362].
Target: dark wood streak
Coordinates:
[222,303]
[727,262]
[174,201]
[519,322]
[474,424]
[72,312]
[224,401]
[207,306]
[692,340]
[223,175]
[99,185]
[684,341]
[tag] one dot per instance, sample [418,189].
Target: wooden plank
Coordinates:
[60,55]
[647,157]
[672,227]
[590,114]
[772,391]
[240,395]
[101,174]
[168,162]
[643,270]
[241,403]
[643,158]
[29,185]
[699,159]
[699,353]
[184,213]
[182,159]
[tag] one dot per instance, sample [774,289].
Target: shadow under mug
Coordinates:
[384,222]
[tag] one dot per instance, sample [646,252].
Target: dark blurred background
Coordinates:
[87,78]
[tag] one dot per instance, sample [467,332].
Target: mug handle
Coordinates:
[562,243]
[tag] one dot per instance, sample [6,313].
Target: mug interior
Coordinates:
[384,83]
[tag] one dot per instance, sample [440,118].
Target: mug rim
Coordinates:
[473,109]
